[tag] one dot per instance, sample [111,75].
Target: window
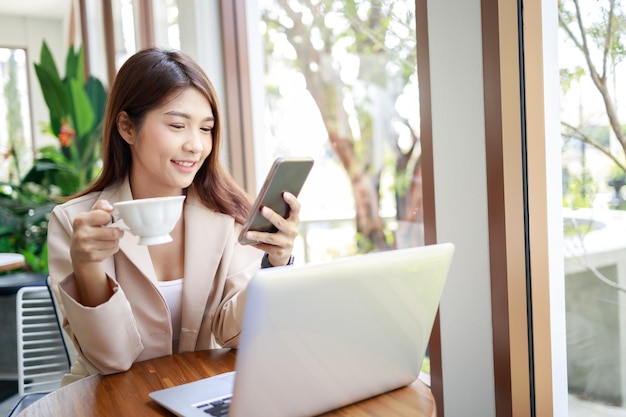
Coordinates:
[166,27]
[341,86]
[594,172]
[16,145]
[124,28]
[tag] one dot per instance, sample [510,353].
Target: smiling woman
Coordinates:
[161,137]
[171,145]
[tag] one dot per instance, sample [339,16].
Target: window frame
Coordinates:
[521,209]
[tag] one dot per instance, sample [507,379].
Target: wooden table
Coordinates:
[127,393]
[10,261]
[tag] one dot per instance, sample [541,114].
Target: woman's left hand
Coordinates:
[279,245]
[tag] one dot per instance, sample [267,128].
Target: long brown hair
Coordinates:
[145,81]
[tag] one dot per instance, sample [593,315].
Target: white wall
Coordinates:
[201,38]
[29,33]
[455,46]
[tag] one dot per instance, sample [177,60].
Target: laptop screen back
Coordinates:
[321,336]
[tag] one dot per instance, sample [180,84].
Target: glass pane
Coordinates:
[594,172]
[16,151]
[125,33]
[341,86]
[166,27]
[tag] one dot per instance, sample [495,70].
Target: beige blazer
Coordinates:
[134,324]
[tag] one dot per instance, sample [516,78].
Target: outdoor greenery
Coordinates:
[579,190]
[598,32]
[357,59]
[76,106]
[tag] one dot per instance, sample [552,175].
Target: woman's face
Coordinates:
[171,145]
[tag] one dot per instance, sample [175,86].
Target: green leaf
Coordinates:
[91,151]
[39,213]
[71,64]
[47,63]
[35,263]
[51,153]
[80,66]
[54,95]
[83,114]
[75,65]
[55,124]
[98,97]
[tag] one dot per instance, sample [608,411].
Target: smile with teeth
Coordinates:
[184,163]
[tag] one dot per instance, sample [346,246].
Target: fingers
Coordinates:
[97,212]
[103,205]
[94,244]
[279,245]
[294,205]
[91,242]
[287,227]
[289,224]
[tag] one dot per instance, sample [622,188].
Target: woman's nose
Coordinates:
[194,143]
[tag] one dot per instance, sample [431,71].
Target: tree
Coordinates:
[380,36]
[598,33]
[596,30]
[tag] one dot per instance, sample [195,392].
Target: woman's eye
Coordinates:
[177,126]
[207,129]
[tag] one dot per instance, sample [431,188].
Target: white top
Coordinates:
[172,291]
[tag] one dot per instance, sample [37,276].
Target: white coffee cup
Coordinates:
[151,219]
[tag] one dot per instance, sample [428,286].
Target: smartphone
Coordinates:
[286,174]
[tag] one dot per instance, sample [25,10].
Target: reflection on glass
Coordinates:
[166,23]
[594,172]
[173,29]
[16,151]
[125,33]
[341,86]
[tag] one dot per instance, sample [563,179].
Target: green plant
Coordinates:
[579,190]
[24,211]
[76,106]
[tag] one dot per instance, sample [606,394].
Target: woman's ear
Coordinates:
[125,127]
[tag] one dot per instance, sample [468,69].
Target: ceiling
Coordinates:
[35,8]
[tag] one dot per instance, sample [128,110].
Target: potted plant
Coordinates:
[76,106]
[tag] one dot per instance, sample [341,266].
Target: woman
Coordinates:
[122,302]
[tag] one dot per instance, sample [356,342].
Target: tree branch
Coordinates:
[598,80]
[576,133]
[608,37]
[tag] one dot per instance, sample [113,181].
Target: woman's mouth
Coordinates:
[186,164]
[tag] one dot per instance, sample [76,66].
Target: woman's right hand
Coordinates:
[91,244]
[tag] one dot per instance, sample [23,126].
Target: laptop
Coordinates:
[320,336]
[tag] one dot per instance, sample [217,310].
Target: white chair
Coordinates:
[42,357]
[69,346]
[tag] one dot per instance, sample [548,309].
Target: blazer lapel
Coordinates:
[205,238]
[205,233]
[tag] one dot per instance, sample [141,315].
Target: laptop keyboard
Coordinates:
[217,408]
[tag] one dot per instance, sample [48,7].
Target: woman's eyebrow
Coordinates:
[187,116]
